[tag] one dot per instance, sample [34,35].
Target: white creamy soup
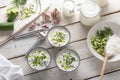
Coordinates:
[39,59]
[67,61]
[58,37]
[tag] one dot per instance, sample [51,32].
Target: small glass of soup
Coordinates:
[68,8]
[67,60]
[39,58]
[58,36]
[90,13]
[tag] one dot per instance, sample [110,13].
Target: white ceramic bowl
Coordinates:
[116,30]
[66,51]
[32,52]
[59,28]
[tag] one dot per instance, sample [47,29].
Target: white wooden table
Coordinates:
[90,66]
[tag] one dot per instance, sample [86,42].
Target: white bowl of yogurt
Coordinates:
[58,36]
[39,58]
[101,26]
[67,60]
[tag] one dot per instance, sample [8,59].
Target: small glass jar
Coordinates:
[101,3]
[68,8]
[90,13]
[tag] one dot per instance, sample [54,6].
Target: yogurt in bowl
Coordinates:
[39,58]
[67,60]
[92,33]
[58,36]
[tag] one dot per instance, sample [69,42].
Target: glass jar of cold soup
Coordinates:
[68,8]
[90,13]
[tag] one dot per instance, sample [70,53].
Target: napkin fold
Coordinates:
[8,71]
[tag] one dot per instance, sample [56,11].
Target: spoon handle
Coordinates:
[103,68]
[33,46]
[39,41]
[28,34]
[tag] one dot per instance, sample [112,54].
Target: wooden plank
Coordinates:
[88,65]
[113,6]
[88,68]
[78,31]
[80,47]
[19,47]
[110,76]
[16,48]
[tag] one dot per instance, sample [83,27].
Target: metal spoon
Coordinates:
[29,33]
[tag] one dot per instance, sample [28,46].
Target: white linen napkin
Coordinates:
[8,71]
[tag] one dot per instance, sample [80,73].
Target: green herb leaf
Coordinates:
[99,41]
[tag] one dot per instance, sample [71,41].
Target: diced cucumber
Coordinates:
[12,13]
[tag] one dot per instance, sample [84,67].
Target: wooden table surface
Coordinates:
[90,66]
